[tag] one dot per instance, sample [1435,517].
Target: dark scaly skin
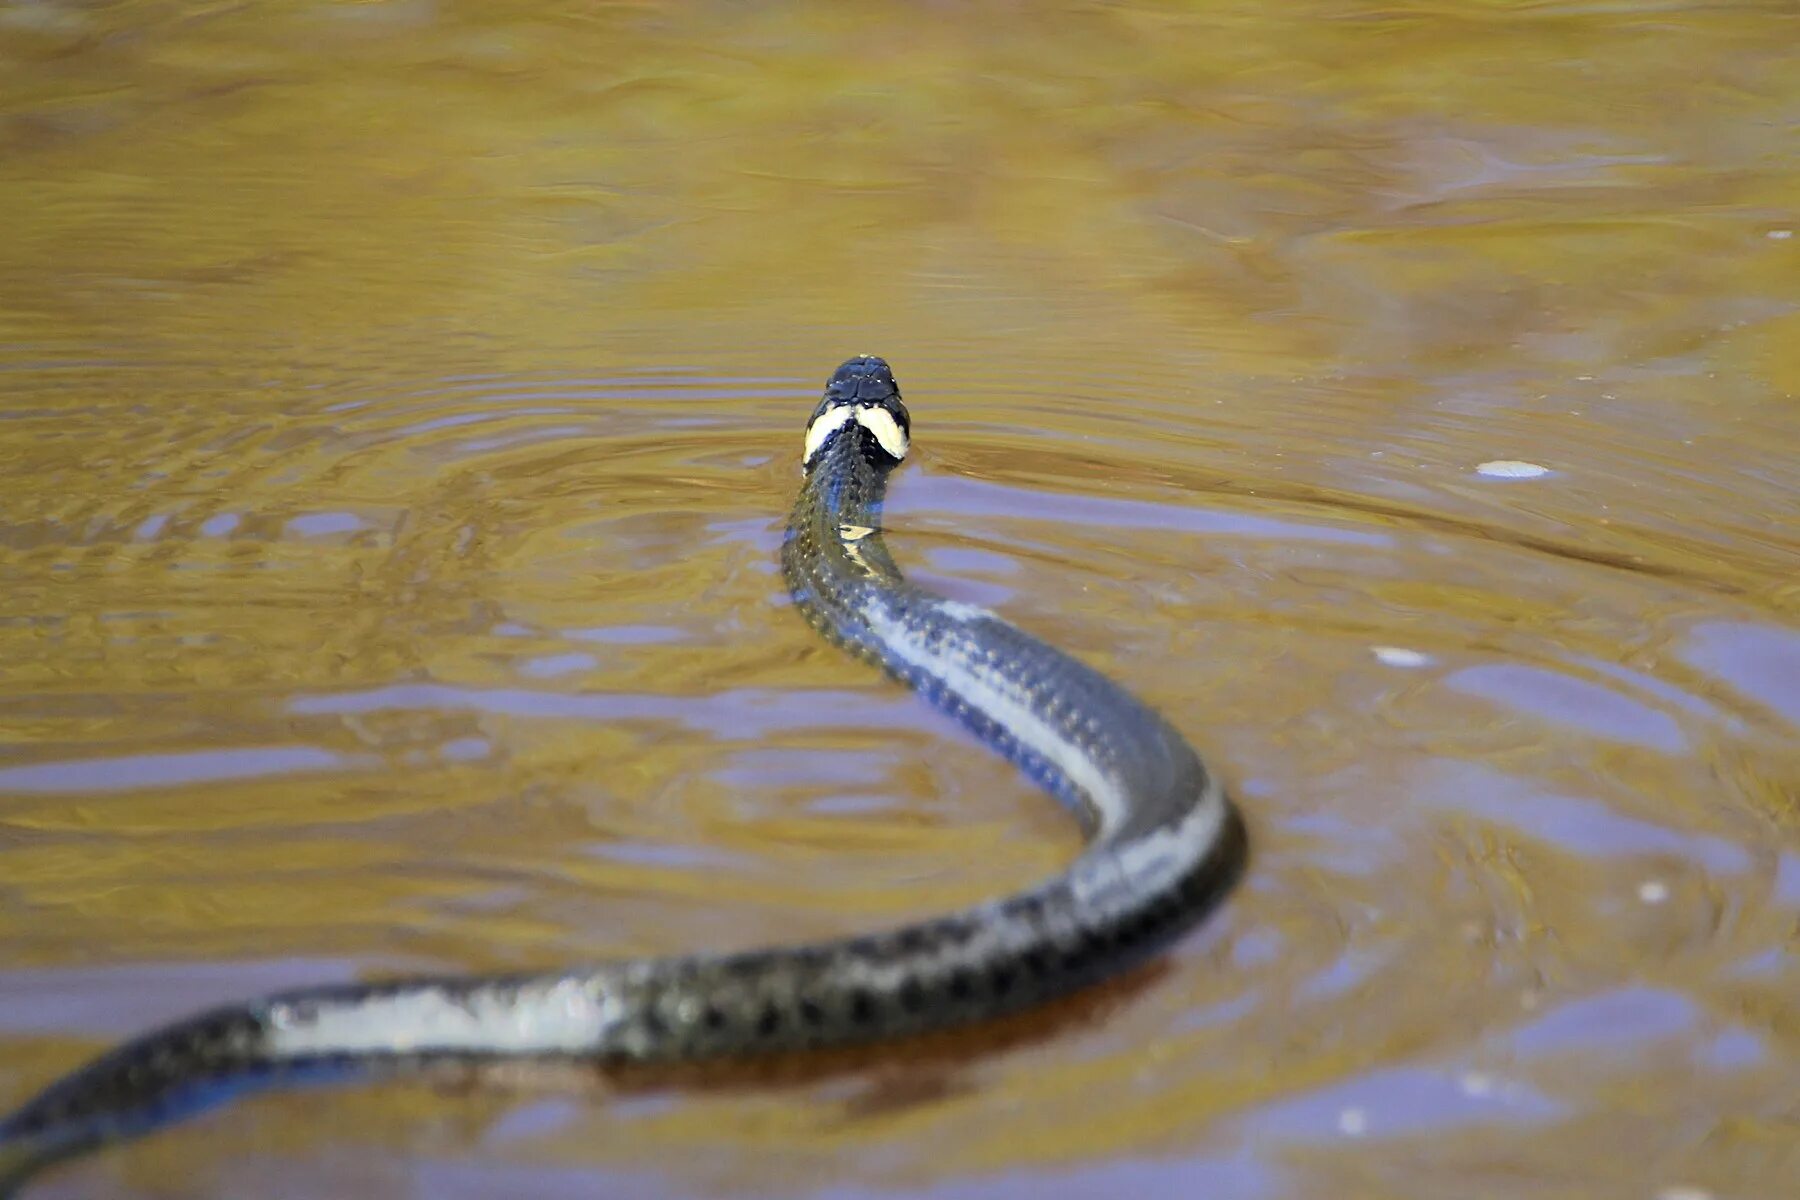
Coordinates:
[1165,847]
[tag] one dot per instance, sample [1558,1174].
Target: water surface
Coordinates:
[401,406]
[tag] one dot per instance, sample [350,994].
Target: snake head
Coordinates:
[863,401]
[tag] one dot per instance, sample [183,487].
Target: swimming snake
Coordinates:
[1164,846]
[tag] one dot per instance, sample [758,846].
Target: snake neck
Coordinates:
[834,551]
[1122,769]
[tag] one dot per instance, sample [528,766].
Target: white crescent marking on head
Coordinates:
[878,421]
[887,431]
[829,422]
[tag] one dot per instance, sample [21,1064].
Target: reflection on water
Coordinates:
[400,408]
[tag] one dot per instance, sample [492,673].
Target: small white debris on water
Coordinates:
[1779,235]
[1476,1084]
[1684,1193]
[1653,891]
[1509,468]
[1353,1122]
[1399,656]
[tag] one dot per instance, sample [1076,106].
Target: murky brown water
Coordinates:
[402,404]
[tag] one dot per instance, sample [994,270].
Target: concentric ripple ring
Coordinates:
[1164,846]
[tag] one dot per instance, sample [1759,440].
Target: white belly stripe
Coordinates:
[567,1017]
[1010,712]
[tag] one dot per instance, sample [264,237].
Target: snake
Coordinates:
[1164,845]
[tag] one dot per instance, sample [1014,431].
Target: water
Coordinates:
[402,403]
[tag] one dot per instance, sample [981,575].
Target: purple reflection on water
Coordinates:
[113,1002]
[1225,1012]
[761,532]
[1757,660]
[629,635]
[539,1119]
[852,804]
[1334,842]
[1733,1050]
[1787,879]
[743,713]
[134,771]
[548,666]
[969,591]
[1772,963]
[1224,1178]
[471,1180]
[1256,947]
[457,420]
[1575,823]
[760,768]
[1625,1018]
[541,434]
[465,749]
[1398,1101]
[667,854]
[1351,967]
[1238,1177]
[963,560]
[1574,702]
[1650,685]
[663,387]
[927,492]
[324,524]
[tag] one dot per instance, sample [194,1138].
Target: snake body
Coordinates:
[1164,845]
